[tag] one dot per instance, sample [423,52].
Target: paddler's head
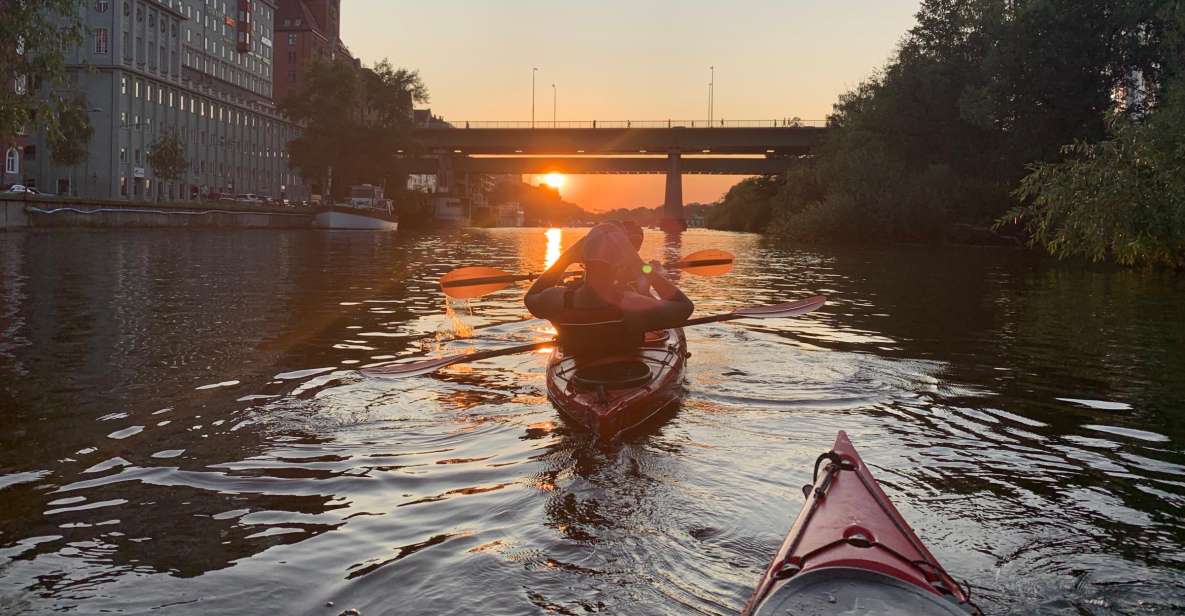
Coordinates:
[610,259]
[633,231]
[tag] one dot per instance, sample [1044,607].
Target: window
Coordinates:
[123,85]
[137,156]
[126,9]
[291,39]
[102,44]
[137,86]
[101,6]
[123,186]
[123,155]
[12,162]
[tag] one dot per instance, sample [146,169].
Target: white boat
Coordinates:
[351,217]
[367,210]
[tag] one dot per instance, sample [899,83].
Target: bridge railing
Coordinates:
[542,124]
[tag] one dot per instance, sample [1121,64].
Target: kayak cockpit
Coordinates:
[853,592]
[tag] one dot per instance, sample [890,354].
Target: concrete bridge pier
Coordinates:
[444,173]
[673,220]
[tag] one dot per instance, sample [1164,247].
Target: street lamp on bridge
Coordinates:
[711,96]
[553,125]
[534,69]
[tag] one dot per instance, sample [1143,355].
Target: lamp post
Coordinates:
[534,70]
[553,98]
[711,96]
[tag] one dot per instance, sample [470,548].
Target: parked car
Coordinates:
[249,198]
[19,188]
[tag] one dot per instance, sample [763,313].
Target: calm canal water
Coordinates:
[184,429]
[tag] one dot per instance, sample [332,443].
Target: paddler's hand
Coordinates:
[654,268]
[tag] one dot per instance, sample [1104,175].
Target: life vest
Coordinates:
[593,331]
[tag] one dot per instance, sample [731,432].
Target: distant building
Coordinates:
[201,69]
[423,118]
[15,150]
[509,215]
[306,30]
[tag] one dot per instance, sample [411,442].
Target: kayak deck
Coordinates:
[850,551]
[611,410]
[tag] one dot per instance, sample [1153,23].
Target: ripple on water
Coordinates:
[1142,435]
[464,491]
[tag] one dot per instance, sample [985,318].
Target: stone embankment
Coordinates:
[21,211]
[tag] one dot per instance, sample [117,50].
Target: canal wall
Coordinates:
[21,212]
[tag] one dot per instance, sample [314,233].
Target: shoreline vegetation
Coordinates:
[1053,122]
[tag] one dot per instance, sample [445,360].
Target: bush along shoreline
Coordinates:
[1054,123]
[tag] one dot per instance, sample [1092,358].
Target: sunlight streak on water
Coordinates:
[555,246]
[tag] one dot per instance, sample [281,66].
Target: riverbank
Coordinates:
[20,212]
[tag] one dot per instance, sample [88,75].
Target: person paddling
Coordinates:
[606,312]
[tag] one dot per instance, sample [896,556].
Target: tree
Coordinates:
[167,157]
[35,37]
[1120,200]
[69,140]
[977,91]
[356,121]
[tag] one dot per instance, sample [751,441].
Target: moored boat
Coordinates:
[358,218]
[851,552]
[609,395]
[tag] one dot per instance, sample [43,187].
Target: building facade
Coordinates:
[198,69]
[306,31]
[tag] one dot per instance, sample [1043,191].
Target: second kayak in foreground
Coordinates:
[850,552]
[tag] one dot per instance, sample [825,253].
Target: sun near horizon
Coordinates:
[553,180]
[533,60]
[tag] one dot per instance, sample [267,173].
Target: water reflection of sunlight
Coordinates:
[554,247]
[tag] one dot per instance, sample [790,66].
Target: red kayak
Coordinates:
[850,552]
[609,395]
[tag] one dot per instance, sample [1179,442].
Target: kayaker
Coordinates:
[604,313]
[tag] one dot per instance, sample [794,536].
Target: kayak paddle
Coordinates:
[470,282]
[425,366]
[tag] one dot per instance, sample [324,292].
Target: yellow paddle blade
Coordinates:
[470,282]
[710,262]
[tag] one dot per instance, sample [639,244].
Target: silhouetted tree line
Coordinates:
[1062,115]
[357,123]
[542,205]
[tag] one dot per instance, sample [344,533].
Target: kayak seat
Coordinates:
[622,374]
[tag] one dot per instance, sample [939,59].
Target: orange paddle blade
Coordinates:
[470,282]
[710,262]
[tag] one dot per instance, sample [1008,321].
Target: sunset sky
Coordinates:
[638,60]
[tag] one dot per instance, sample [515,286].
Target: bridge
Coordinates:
[454,151]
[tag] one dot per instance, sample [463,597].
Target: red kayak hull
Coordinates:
[849,525]
[609,412]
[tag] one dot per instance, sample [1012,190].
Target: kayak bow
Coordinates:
[851,552]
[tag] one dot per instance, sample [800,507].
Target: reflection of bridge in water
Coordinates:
[669,147]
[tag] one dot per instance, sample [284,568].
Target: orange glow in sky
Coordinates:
[629,60]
